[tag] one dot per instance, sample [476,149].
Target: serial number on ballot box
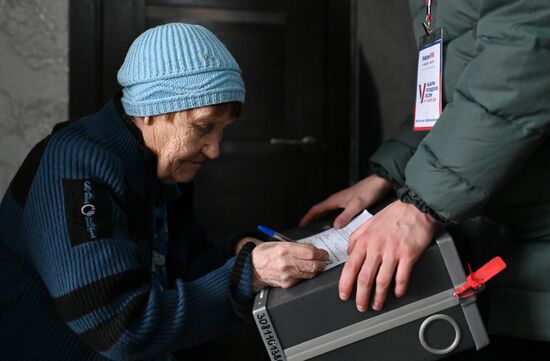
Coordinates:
[268,335]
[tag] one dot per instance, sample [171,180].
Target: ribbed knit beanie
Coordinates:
[175,67]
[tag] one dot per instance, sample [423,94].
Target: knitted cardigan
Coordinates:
[75,253]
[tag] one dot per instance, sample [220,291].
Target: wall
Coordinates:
[387,71]
[34,76]
[388,47]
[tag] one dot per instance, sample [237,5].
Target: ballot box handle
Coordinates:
[422,334]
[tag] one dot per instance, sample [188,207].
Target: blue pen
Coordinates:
[276,235]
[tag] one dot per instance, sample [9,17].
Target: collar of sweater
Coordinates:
[126,141]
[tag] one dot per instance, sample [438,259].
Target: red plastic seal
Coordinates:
[478,278]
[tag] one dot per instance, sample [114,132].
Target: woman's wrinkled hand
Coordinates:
[353,200]
[283,264]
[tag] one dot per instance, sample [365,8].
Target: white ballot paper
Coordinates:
[335,241]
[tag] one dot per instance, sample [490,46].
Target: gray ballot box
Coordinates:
[309,321]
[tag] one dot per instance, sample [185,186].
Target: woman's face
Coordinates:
[182,141]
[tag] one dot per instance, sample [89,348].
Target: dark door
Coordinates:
[290,146]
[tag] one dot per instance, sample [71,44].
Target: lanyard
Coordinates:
[428,21]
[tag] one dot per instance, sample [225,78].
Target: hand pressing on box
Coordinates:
[283,264]
[389,243]
[353,200]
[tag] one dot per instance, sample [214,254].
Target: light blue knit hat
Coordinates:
[175,67]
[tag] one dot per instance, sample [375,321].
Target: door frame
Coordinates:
[89,29]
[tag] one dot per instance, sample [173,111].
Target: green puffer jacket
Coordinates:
[489,153]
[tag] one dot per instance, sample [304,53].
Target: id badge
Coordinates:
[428,105]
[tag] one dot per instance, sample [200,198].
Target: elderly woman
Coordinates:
[100,256]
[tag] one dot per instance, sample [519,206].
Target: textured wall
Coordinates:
[388,48]
[34,75]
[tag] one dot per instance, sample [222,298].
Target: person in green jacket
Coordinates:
[487,157]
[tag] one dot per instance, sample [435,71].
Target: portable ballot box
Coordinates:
[309,321]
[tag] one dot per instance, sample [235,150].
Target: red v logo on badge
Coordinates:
[422,90]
